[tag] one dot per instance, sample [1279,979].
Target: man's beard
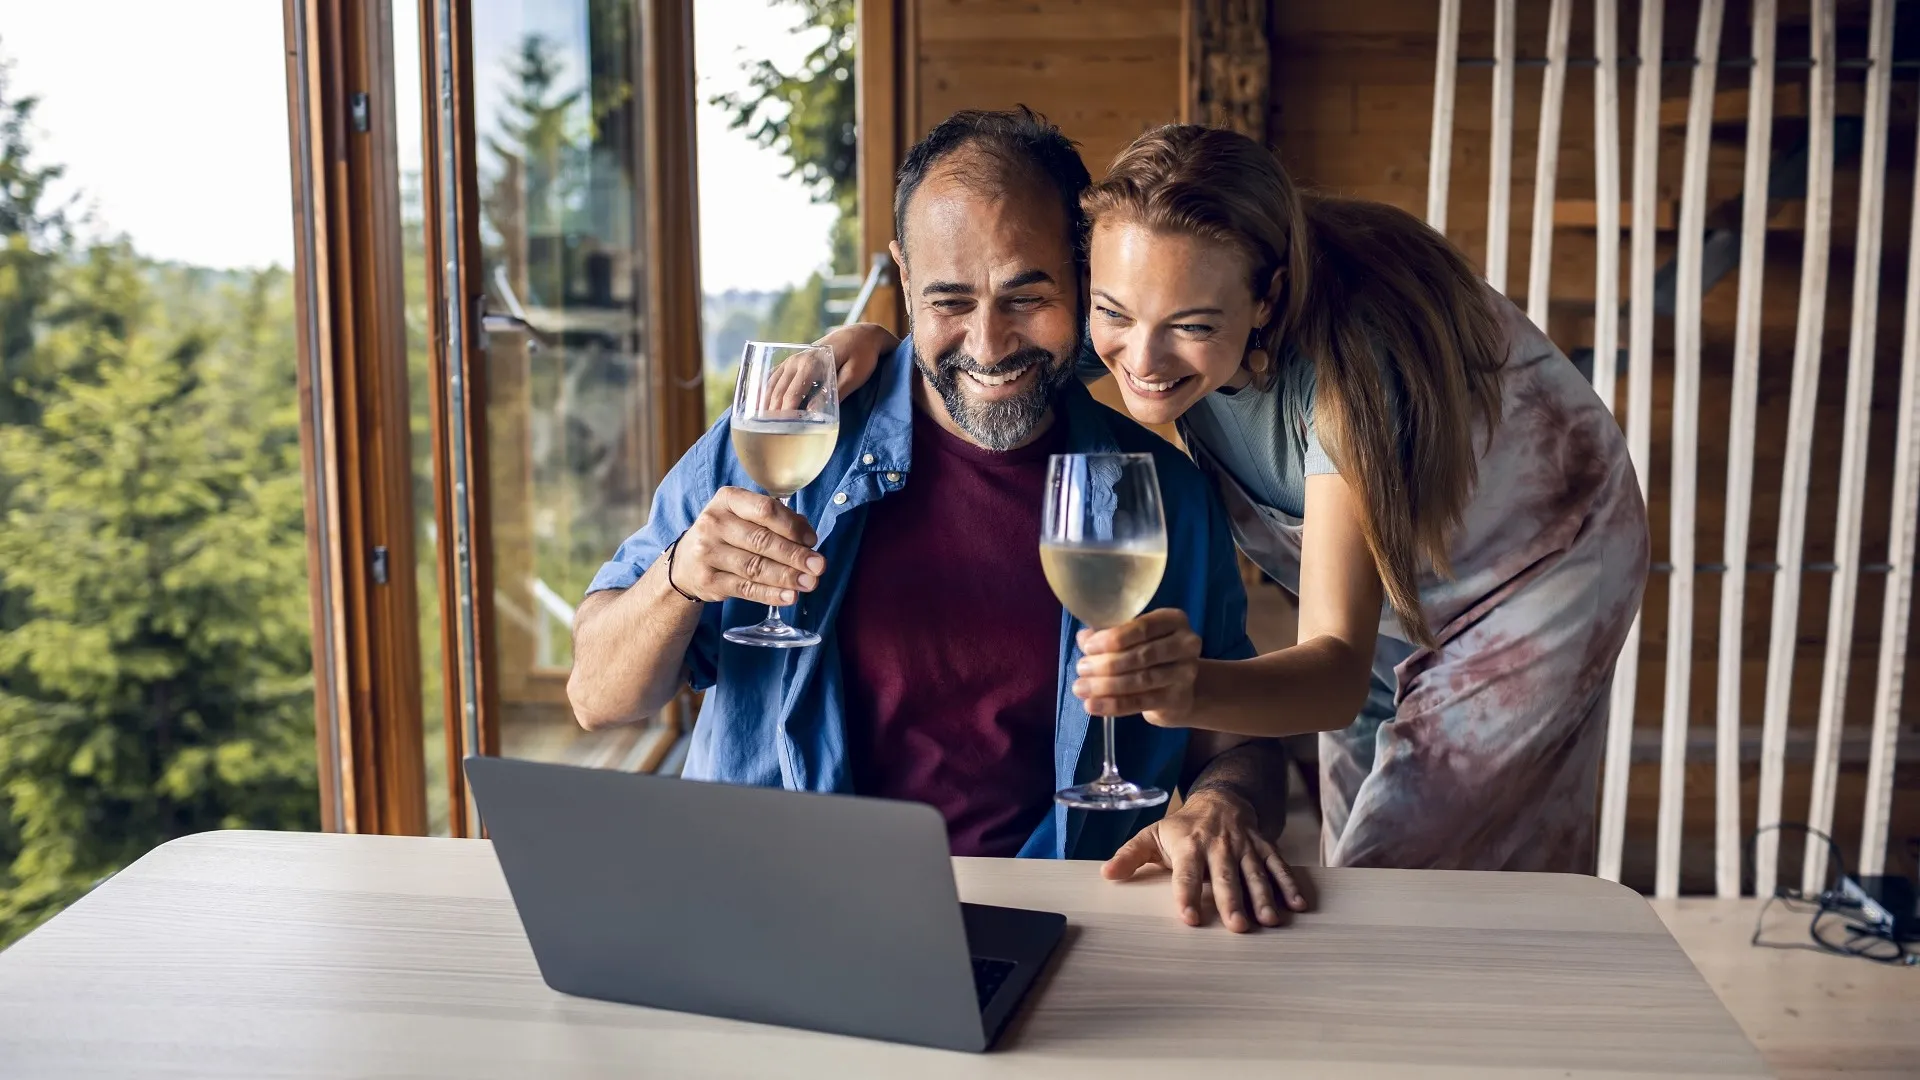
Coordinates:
[1004,424]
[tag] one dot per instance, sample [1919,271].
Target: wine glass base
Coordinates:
[774,635]
[1110,795]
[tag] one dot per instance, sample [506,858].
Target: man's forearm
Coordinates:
[629,651]
[1255,772]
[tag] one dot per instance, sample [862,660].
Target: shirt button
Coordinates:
[893,478]
[867,460]
[840,498]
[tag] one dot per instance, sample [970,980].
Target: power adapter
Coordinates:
[1889,905]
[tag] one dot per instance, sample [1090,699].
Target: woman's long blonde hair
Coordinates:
[1404,340]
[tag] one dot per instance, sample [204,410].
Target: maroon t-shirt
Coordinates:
[950,642]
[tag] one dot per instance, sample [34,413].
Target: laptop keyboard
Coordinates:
[989,975]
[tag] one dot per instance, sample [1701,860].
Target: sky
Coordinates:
[171,119]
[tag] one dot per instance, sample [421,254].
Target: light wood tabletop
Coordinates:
[302,955]
[1812,1016]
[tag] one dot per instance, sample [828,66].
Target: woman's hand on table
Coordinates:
[1213,837]
[1147,666]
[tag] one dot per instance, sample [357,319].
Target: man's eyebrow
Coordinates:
[947,288]
[1027,277]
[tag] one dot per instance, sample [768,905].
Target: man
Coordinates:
[946,665]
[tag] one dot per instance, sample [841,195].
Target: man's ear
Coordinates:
[900,263]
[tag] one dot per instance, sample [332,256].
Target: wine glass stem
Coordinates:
[773,610]
[1109,772]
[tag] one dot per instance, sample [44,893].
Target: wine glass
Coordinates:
[1103,545]
[785,421]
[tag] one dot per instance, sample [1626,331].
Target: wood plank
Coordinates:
[1586,213]
[1740,433]
[1897,599]
[1812,1015]
[1862,330]
[1500,177]
[1606,202]
[1546,167]
[1645,246]
[1446,70]
[1685,449]
[1796,469]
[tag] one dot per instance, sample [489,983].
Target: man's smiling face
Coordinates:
[994,298]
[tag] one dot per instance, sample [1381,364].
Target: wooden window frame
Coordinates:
[354,431]
[458,364]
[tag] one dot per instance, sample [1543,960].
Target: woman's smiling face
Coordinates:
[1171,316]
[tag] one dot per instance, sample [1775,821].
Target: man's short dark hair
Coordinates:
[1014,148]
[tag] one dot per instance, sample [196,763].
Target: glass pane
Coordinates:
[569,428]
[155,653]
[779,231]
[408,120]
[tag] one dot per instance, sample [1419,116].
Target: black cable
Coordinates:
[1863,942]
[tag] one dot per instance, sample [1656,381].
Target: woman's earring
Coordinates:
[1257,351]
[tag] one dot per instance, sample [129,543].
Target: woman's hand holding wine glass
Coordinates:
[1148,665]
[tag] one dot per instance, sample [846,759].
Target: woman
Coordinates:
[1381,425]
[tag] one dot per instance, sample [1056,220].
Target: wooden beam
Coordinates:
[877,94]
[1898,597]
[1728,836]
[1792,530]
[1606,200]
[1683,498]
[1227,66]
[1446,70]
[1853,446]
[1645,246]
[1546,162]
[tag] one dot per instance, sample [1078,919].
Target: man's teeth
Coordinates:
[985,379]
[1153,387]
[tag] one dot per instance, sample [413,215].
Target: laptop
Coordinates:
[825,912]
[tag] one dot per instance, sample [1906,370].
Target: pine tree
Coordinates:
[160,680]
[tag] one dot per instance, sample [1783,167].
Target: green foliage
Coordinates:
[808,114]
[155,676]
[31,237]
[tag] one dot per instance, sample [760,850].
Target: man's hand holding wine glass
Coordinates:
[747,546]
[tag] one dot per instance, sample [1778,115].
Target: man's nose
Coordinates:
[990,336]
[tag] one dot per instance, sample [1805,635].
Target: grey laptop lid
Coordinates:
[829,913]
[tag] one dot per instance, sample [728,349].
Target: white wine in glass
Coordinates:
[785,421]
[1105,571]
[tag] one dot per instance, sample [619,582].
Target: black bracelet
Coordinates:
[671,548]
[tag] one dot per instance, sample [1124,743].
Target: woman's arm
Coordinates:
[1152,665]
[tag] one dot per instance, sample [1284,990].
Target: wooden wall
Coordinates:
[1352,99]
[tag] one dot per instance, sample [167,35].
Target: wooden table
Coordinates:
[295,955]
[1811,1015]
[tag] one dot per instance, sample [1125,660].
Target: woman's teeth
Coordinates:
[985,379]
[1153,387]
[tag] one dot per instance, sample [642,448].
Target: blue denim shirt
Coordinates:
[775,717]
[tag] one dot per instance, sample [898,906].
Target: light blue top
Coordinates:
[775,717]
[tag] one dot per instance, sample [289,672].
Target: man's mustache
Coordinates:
[1012,364]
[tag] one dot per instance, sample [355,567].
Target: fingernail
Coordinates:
[1269,913]
[807,581]
[1081,636]
[1081,667]
[786,596]
[1192,915]
[816,564]
[1079,689]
